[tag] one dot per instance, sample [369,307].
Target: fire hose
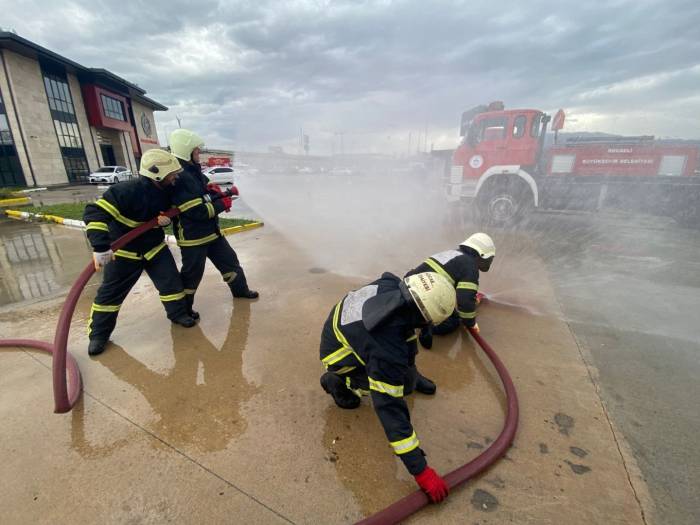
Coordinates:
[403,508]
[62,362]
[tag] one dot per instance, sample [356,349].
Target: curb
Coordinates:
[24,215]
[237,229]
[14,201]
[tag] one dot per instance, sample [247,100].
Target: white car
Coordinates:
[110,175]
[221,175]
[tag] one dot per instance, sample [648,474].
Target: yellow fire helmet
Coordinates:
[157,164]
[482,244]
[183,142]
[433,294]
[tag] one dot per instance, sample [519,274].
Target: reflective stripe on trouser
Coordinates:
[121,275]
[224,259]
[403,446]
[339,358]
[386,388]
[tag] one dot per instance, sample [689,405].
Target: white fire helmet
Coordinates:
[157,164]
[482,244]
[434,296]
[183,142]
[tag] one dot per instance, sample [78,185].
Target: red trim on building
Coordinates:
[92,94]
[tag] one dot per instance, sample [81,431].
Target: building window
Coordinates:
[5,136]
[113,108]
[10,169]
[66,125]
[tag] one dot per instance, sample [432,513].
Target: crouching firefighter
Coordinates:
[123,207]
[197,226]
[368,346]
[461,268]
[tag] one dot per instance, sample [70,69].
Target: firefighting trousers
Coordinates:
[120,276]
[349,367]
[224,258]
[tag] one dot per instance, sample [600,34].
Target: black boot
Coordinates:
[248,294]
[335,386]
[96,346]
[425,385]
[185,320]
[189,301]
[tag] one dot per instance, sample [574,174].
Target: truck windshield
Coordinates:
[493,128]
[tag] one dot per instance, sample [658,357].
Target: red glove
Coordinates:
[228,202]
[215,188]
[432,484]
[234,191]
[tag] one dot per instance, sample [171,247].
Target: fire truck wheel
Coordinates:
[503,204]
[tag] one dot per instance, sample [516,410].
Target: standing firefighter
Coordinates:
[197,226]
[368,346]
[122,208]
[461,268]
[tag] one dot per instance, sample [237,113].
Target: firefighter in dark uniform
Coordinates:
[122,208]
[461,268]
[368,347]
[197,226]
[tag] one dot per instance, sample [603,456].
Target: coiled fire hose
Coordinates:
[63,363]
[403,508]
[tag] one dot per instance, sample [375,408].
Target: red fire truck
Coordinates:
[505,166]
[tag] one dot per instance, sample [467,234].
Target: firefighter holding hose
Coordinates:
[461,268]
[368,347]
[197,226]
[122,208]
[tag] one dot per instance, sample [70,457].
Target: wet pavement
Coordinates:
[630,288]
[226,421]
[37,260]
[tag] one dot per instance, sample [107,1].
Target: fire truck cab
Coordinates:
[498,159]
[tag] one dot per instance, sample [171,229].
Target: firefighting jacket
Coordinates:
[388,353]
[197,223]
[461,268]
[122,208]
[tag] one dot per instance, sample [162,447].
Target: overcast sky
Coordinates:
[248,75]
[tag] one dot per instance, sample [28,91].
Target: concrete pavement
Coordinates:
[226,422]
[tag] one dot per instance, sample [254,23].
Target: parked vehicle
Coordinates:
[504,166]
[221,175]
[110,175]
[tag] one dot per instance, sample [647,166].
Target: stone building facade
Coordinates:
[60,120]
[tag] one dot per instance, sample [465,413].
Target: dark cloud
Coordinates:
[251,74]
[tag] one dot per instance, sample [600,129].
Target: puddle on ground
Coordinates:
[38,260]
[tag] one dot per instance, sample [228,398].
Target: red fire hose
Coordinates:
[63,362]
[403,508]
